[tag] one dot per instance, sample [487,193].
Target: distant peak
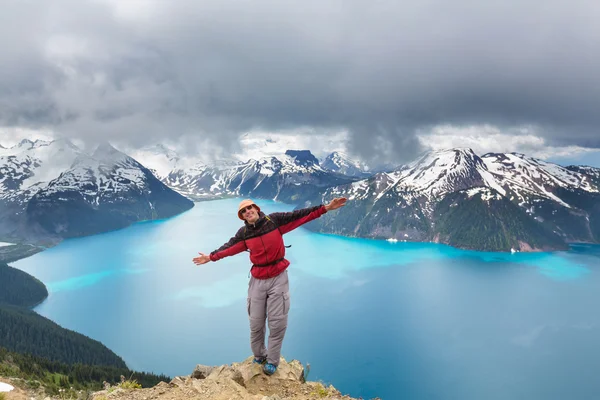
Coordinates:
[158,147]
[41,142]
[302,157]
[462,150]
[467,150]
[338,154]
[65,142]
[520,155]
[25,143]
[106,152]
[105,147]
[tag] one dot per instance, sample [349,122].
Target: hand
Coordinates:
[336,203]
[203,259]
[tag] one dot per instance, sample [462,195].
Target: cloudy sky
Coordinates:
[388,79]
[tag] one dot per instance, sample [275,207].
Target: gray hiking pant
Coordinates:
[268,299]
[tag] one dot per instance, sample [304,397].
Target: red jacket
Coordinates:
[265,242]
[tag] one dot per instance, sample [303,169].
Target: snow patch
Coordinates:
[5,387]
[485,193]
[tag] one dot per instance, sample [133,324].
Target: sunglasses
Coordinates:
[243,210]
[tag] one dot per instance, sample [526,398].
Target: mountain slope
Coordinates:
[19,288]
[495,202]
[38,378]
[341,163]
[106,191]
[159,159]
[24,331]
[25,169]
[561,199]
[481,218]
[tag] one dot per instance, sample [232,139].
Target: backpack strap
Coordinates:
[267,217]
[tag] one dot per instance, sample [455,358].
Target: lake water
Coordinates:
[394,320]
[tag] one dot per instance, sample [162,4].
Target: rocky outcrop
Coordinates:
[238,381]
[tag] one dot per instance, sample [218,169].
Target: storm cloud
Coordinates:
[206,71]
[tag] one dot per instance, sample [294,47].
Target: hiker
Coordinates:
[268,290]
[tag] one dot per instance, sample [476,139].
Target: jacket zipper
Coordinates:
[265,248]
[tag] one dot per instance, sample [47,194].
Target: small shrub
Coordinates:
[9,370]
[2,396]
[124,384]
[130,384]
[32,384]
[320,391]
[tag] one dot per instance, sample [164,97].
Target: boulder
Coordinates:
[201,371]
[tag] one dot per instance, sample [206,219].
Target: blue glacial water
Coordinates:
[394,320]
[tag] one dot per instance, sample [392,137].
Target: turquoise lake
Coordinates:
[373,318]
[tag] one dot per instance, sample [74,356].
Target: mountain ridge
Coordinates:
[402,204]
[52,190]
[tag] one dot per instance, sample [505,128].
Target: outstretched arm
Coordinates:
[234,246]
[289,221]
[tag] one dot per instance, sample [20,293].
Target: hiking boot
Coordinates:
[259,360]
[269,368]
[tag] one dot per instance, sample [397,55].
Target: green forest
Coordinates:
[496,225]
[38,350]
[18,288]
[54,375]
[25,331]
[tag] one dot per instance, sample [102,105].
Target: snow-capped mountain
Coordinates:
[524,177]
[106,191]
[283,178]
[343,164]
[592,173]
[444,194]
[54,189]
[427,179]
[28,165]
[159,159]
[24,169]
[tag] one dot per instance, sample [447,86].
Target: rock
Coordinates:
[202,371]
[292,371]
[226,372]
[238,381]
[177,381]
[249,372]
[162,387]
[116,393]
